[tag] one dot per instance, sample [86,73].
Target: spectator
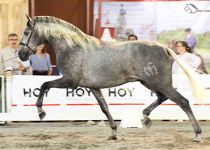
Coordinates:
[9,58]
[41,64]
[132,37]
[190,39]
[185,52]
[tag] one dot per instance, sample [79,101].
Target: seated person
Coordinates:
[185,52]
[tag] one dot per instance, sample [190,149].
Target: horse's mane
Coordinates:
[53,27]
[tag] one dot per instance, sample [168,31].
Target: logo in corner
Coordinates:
[190,8]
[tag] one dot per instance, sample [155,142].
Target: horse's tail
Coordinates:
[198,91]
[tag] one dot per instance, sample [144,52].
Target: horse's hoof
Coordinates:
[147,122]
[42,114]
[112,138]
[197,139]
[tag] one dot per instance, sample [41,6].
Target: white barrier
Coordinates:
[2,101]
[2,94]
[80,104]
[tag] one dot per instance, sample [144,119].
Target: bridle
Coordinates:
[27,43]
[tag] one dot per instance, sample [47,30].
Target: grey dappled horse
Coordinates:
[88,62]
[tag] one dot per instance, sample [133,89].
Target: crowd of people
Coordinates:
[40,63]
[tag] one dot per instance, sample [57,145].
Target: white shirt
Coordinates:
[191,59]
[8,57]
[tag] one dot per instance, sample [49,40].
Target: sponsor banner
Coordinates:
[80,104]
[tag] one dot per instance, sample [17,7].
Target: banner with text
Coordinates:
[80,104]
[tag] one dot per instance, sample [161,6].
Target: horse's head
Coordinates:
[30,40]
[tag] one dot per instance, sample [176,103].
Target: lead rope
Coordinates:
[8,59]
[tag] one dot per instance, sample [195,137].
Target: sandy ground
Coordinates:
[163,135]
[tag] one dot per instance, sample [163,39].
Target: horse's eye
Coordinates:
[25,33]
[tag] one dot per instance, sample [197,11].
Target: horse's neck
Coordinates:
[57,45]
[71,37]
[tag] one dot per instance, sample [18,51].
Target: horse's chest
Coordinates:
[69,63]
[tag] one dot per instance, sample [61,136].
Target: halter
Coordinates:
[27,43]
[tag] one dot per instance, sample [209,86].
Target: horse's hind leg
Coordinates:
[173,95]
[146,112]
[104,107]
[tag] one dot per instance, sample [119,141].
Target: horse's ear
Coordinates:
[30,22]
[29,19]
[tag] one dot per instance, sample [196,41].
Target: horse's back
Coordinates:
[116,64]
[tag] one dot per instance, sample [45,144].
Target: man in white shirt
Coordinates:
[9,57]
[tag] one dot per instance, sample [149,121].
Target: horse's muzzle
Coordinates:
[23,56]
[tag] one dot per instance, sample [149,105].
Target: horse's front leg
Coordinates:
[58,83]
[104,107]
